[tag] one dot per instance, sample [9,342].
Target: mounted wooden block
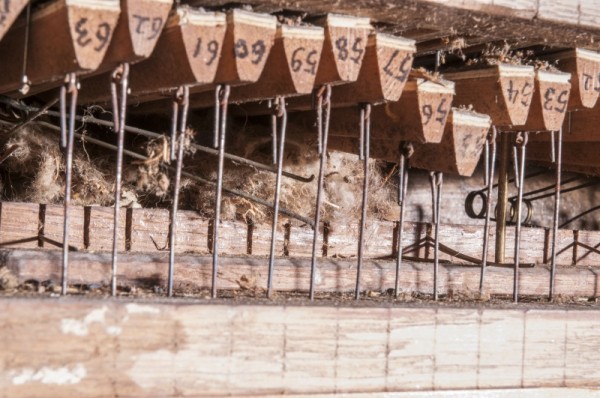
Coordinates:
[461,145]
[19,224]
[584,65]
[9,11]
[579,126]
[290,69]
[64,37]
[550,102]
[384,72]
[344,48]
[187,52]
[247,45]
[139,27]
[420,114]
[504,92]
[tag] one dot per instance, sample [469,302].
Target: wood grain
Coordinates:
[87,347]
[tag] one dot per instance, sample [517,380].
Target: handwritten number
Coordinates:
[563,99]
[358,50]
[342,45]
[427,112]
[526,92]
[103,35]
[259,49]
[548,97]
[312,62]
[442,112]
[83,39]
[587,80]
[241,49]
[156,27]
[403,71]
[212,47]
[4,11]
[296,63]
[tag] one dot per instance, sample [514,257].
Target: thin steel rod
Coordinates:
[365,133]
[489,207]
[72,90]
[217,116]
[402,187]
[181,102]
[521,143]
[436,179]
[120,78]
[323,117]
[281,114]
[223,95]
[273,105]
[558,154]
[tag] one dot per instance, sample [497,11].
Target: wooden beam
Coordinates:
[578,127]
[74,347]
[573,153]
[504,92]
[460,148]
[64,37]
[9,11]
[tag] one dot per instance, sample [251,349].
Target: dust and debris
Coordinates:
[8,281]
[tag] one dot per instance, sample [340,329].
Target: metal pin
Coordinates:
[180,108]
[556,210]
[281,113]
[323,133]
[436,179]
[223,95]
[120,79]
[217,117]
[25,83]
[517,179]
[361,138]
[521,143]
[489,167]
[486,163]
[402,187]
[365,134]
[72,89]
[272,104]
[552,149]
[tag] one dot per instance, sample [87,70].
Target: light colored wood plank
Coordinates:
[84,347]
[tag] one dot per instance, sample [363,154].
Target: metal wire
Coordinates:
[223,95]
[281,113]
[558,158]
[365,134]
[521,144]
[323,117]
[402,188]
[180,107]
[489,167]
[436,179]
[72,90]
[120,79]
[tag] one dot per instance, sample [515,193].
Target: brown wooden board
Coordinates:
[579,126]
[573,153]
[64,37]
[9,11]
[504,92]
[460,148]
[384,72]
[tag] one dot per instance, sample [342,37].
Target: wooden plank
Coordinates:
[64,37]
[504,92]
[82,347]
[550,102]
[573,153]
[460,148]
[19,224]
[9,11]
[584,66]
[293,274]
[384,72]
[579,126]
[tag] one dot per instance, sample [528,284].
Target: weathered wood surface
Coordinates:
[64,37]
[293,274]
[22,225]
[584,66]
[563,24]
[504,92]
[83,347]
